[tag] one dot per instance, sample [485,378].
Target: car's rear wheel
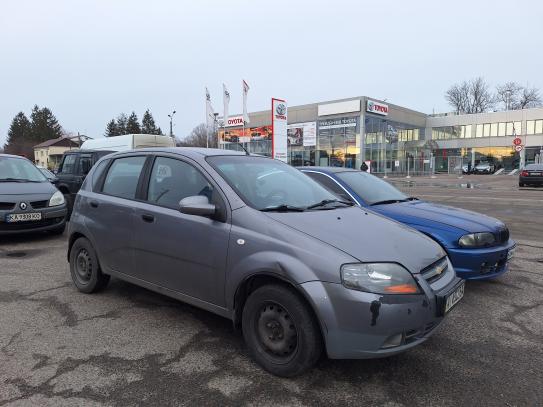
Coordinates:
[280,331]
[85,268]
[520,184]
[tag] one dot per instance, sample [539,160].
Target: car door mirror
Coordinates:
[197,205]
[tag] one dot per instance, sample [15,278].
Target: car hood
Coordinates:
[365,236]
[26,188]
[423,213]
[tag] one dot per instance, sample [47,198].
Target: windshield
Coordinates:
[19,170]
[264,183]
[370,188]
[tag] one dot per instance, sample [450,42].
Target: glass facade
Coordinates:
[338,142]
[500,129]
[534,127]
[501,157]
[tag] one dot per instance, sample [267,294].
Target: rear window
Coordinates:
[536,167]
[123,177]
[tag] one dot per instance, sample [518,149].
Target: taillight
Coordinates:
[524,174]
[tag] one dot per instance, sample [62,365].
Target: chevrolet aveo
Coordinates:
[257,241]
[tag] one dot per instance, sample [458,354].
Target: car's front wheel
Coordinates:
[85,268]
[280,331]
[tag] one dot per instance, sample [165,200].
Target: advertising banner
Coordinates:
[262,133]
[302,134]
[279,129]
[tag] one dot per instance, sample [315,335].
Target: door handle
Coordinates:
[148,218]
[94,204]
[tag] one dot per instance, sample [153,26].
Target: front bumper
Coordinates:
[358,325]
[52,218]
[483,263]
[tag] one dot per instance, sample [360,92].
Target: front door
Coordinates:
[185,253]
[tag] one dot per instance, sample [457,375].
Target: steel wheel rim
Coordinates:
[276,332]
[83,266]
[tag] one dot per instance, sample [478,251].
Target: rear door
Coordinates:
[109,212]
[184,253]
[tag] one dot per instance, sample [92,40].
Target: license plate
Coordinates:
[453,298]
[23,217]
[535,174]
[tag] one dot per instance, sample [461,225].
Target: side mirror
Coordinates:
[197,205]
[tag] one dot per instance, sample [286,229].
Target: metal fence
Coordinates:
[405,167]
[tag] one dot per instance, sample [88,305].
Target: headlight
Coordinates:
[477,240]
[379,278]
[57,199]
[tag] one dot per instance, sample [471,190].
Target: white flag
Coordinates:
[245,92]
[210,114]
[226,102]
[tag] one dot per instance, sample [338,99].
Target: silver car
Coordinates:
[257,241]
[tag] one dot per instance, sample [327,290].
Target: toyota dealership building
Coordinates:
[389,137]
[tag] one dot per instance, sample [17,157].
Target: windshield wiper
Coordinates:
[16,180]
[283,208]
[388,201]
[325,202]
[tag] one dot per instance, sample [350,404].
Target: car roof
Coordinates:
[329,170]
[13,156]
[191,152]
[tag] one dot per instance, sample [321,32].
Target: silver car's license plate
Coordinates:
[453,298]
[23,217]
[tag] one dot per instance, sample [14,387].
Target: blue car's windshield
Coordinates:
[266,184]
[13,169]
[370,188]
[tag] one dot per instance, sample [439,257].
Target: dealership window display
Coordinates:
[337,142]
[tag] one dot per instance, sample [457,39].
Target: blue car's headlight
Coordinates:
[481,239]
[379,278]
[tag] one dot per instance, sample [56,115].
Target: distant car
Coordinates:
[532,174]
[465,169]
[72,171]
[28,201]
[48,174]
[484,168]
[254,240]
[479,246]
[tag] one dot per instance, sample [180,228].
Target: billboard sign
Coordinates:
[234,121]
[376,107]
[279,129]
[302,134]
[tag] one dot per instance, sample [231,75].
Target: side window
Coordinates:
[172,180]
[123,176]
[85,164]
[98,173]
[329,184]
[68,164]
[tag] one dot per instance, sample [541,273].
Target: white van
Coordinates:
[128,142]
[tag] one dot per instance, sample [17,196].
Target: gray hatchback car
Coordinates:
[257,241]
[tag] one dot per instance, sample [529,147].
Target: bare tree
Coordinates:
[529,98]
[508,94]
[470,96]
[198,137]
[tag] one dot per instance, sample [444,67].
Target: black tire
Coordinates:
[520,184]
[280,331]
[85,268]
[69,205]
[59,230]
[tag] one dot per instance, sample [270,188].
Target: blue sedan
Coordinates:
[478,246]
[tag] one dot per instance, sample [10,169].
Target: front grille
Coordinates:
[6,206]
[7,227]
[502,236]
[39,204]
[435,271]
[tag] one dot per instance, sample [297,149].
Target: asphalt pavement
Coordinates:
[130,346]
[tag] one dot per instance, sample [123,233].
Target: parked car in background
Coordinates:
[532,175]
[479,246]
[28,201]
[48,174]
[73,169]
[254,240]
[484,168]
[128,142]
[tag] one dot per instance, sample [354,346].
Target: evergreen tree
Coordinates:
[111,129]
[148,124]
[45,125]
[122,122]
[20,140]
[132,125]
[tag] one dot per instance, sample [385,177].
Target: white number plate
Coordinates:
[454,297]
[23,217]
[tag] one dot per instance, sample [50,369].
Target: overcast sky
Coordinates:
[91,60]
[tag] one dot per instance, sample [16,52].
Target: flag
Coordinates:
[245,92]
[226,102]
[210,114]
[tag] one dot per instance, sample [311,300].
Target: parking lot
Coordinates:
[130,346]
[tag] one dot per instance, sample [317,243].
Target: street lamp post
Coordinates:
[171,123]
[385,146]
